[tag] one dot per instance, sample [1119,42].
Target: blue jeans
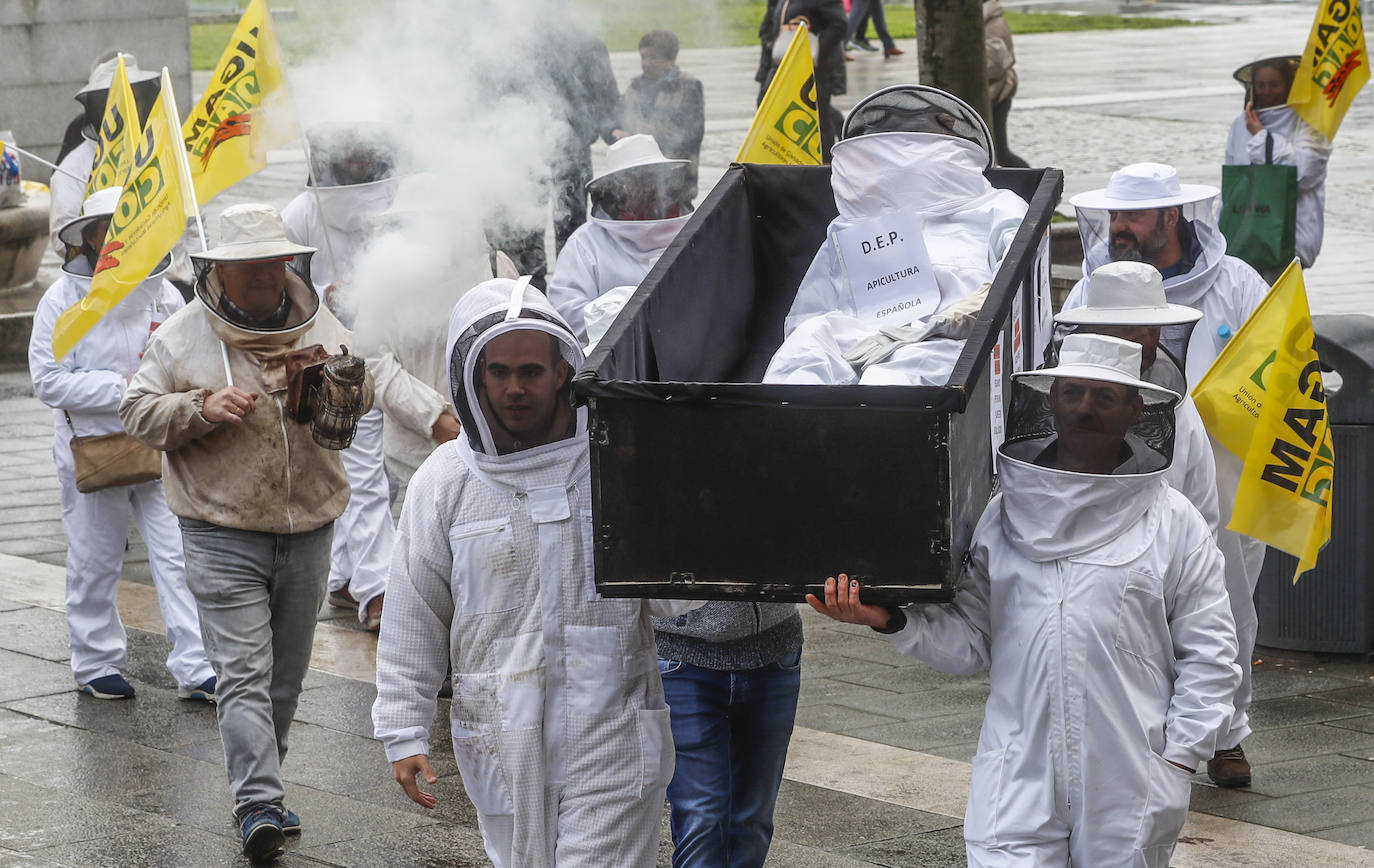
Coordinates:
[730,730]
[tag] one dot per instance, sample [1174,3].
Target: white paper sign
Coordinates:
[889,269]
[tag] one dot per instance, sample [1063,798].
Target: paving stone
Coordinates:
[880,651]
[155,846]
[36,632]
[313,760]
[16,725]
[824,664]
[437,846]
[1271,683]
[785,854]
[15,859]
[147,658]
[907,679]
[1356,835]
[38,545]
[1307,812]
[819,817]
[452,802]
[838,718]
[937,849]
[963,751]
[36,817]
[1294,710]
[345,707]
[1291,742]
[22,676]
[926,733]
[154,718]
[1362,695]
[1311,774]
[931,703]
[820,690]
[1207,797]
[1363,724]
[95,765]
[28,529]
[11,605]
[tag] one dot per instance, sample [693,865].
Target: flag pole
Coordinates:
[32,156]
[189,193]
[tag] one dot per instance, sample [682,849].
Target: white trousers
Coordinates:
[364,534]
[97,528]
[1244,560]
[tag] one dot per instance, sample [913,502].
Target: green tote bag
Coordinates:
[1259,205]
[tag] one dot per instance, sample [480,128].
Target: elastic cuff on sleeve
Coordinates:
[408,748]
[200,426]
[1183,756]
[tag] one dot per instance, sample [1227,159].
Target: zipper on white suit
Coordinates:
[1063,695]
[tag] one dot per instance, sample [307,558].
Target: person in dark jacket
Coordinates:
[666,103]
[826,19]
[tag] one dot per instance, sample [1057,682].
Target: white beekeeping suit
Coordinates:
[84,389]
[558,720]
[1226,291]
[611,249]
[1288,140]
[1097,604]
[334,218]
[967,227]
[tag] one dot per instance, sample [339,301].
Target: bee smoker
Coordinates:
[340,401]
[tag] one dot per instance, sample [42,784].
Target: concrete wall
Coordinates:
[46,51]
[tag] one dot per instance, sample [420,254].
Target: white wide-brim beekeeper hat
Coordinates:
[1143,185]
[1127,293]
[637,153]
[1098,357]
[100,205]
[251,232]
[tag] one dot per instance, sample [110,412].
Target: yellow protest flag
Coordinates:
[786,128]
[117,135]
[1334,66]
[1263,400]
[245,110]
[149,219]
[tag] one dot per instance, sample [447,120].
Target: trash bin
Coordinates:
[708,484]
[1331,609]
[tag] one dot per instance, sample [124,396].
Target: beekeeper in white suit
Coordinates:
[1146,214]
[1126,300]
[1094,596]
[352,169]
[558,720]
[639,204]
[84,389]
[896,286]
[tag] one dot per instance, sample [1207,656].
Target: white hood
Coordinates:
[883,172]
[1049,514]
[492,308]
[968,223]
[351,208]
[645,240]
[141,297]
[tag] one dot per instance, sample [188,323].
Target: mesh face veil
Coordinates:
[911,108]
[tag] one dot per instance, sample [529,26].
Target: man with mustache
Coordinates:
[1145,214]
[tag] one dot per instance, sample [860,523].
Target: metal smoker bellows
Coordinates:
[340,400]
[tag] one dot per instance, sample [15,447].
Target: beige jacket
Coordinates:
[266,474]
[1001,53]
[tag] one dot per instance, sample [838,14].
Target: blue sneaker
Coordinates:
[107,687]
[204,692]
[263,839]
[290,823]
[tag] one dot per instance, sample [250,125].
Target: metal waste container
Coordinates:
[1331,610]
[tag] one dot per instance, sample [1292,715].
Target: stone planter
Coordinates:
[23,237]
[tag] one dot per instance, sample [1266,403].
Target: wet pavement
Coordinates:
[878,768]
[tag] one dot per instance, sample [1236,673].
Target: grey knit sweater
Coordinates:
[730,636]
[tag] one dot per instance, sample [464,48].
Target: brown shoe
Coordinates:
[892,52]
[1229,768]
[372,622]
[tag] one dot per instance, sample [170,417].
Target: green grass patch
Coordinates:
[698,24]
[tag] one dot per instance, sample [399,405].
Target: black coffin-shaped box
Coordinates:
[707,484]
